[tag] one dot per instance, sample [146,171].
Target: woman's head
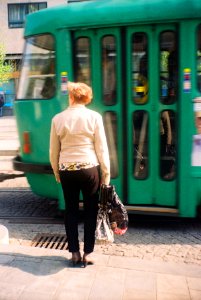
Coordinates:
[79,93]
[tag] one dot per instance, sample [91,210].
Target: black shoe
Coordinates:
[76,258]
[87,260]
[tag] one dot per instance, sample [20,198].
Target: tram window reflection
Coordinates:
[110,124]
[37,79]
[82,60]
[167,145]
[168,67]
[140,68]
[109,70]
[140,142]
[199,58]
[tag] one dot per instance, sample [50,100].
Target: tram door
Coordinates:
[152,68]
[98,62]
[133,73]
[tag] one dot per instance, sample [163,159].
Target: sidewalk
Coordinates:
[9,143]
[45,274]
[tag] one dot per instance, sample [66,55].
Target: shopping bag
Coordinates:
[104,233]
[116,211]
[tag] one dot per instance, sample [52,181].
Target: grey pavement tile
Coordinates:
[108,284]
[35,296]
[43,285]
[6,259]
[75,285]
[139,285]
[7,249]
[10,291]
[34,251]
[195,295]
[139,295]
[3,270]
[155,266]
[29,258]
[50,267]
[194,283]
[176,285]
[139,280]
[21,274]
[51,253]
[171,296]
[33,268]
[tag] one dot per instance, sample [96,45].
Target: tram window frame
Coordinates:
[112,146]
[140,75]
[168,88]
[88,80]
[198,57]
[109,98]
[46,82]
[141,160]
[168,145]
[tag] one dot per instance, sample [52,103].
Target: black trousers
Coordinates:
[88,182]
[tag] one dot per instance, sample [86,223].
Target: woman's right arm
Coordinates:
[102,152]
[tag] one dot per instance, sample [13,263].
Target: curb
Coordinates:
[8,152]
[4,235]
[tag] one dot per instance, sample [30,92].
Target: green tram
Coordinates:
[143,61]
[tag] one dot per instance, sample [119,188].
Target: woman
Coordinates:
[80,161]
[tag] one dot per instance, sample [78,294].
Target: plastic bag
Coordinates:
[112,205]
[104,233]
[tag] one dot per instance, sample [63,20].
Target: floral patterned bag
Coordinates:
[115,211]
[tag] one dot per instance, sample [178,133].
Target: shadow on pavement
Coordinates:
[5,176]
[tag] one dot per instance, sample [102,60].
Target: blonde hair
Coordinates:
[81,92]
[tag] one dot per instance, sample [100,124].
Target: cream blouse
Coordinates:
[78,135]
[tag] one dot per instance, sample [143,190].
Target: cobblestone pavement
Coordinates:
[150,238]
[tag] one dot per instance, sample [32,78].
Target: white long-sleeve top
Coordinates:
[78,135]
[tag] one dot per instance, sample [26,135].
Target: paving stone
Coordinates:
[75,285]
[194,283]
[10,290]
[171,284]
[35,296]
[195,295]
[108,284]
[171,296]
[6,259]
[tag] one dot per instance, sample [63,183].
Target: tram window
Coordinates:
[140,68]
[168,67]
[167,145]
[82,60]
[37,80]
[110,124]
[199,58]
[108,47]
[140,144]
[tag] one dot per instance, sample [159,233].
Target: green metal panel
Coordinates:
[149,191]
[189,177]
[111,13]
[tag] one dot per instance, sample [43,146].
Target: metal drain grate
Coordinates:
[50,241]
